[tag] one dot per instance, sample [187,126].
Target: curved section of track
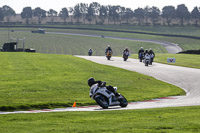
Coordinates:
[170,47]
[183,77]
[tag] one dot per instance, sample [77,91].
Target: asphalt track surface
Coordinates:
[170,47]
[186,78]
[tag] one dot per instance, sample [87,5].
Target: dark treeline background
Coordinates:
[94,13]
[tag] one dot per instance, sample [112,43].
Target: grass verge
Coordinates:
[33,81]
[164,120]
[185,60]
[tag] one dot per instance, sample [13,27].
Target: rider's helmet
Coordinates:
[150,49]
[141,48]
[126,48]
[146,50]
[91,81]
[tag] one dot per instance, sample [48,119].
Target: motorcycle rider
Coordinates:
[125,54]
[152,54]
[90,52]
[141,53]
[146,52]
[126,50]
[91,81]
[108,49]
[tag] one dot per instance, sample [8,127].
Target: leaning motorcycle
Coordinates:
[125,55]
[108,54]
[106,98]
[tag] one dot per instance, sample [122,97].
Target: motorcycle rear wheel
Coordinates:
[102,101]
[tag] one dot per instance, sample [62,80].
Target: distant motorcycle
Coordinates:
[151,59]
[106,98]
[108,54]
[141,56]
[125,55]
[90,52]
[147,59]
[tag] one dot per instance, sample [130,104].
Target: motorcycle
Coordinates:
[147,59]
[109,54]
[151,59]
[106,98]
[141,56]
[125,55]
[90,53]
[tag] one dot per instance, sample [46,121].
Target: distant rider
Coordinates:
[108,49]
[91,81]
[152,54]
[126,51]
[90,52]
[146,52]
[141,53]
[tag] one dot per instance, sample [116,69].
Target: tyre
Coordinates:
[108,57]
[147,63]
[140,59]
[123,101]
[102,101]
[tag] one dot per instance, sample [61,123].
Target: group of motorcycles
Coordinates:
[146,58]
[125,55]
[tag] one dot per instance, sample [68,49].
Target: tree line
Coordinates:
[100,14]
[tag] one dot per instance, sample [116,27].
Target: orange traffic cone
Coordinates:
[74,105]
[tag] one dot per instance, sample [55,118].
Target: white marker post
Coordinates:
[171,60]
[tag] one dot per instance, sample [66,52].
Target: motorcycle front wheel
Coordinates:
[102,101]
[108,57]
[123,101]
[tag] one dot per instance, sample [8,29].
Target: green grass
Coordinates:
[176,30]
[186,60]
[76,45]
[67,44]
[33,80]
[165,120]
[184,43]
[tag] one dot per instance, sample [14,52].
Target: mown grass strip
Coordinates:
[170,120]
